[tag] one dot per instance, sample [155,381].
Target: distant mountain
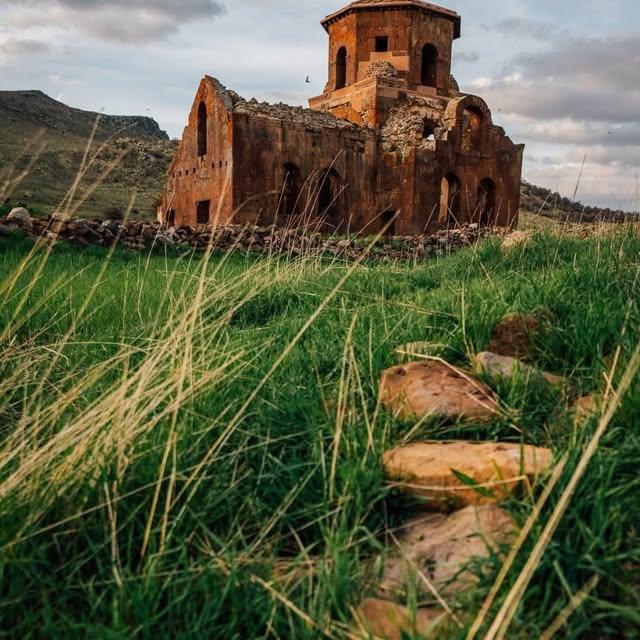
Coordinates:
[24,112]
[29,119]
[547,203]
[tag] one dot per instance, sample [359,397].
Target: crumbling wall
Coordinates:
[193,178]
[272,141]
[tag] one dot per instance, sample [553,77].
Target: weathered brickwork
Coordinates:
[390,144]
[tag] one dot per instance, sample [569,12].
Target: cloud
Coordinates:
[581,78]
[116,20]
[528,28]
[10,48]
[466,56]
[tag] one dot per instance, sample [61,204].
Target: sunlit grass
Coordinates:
[190,446]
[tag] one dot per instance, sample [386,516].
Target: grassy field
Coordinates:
[190,448]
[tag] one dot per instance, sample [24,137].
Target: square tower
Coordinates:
[408,42]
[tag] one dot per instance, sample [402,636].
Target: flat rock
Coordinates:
[513,335]
[516,239]
[427,470]
[388,620]
[20,215]
[442,546]
[497,366]
[434,388]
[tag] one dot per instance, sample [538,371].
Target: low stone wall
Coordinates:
[145,236]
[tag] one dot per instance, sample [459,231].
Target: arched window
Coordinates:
[429,76]
[429,130]
[341,68]
[486,207]
[329,197]
[291,189]
[472,123]
[202,129]
[450,200]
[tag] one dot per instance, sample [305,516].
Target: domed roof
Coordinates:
[372,5]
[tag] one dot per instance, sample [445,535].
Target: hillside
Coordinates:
[550,204]
[206,446]
[31,120]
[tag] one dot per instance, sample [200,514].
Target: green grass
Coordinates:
[173,430]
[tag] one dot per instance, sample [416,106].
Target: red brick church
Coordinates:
[391,143]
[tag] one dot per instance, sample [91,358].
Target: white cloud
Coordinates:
[130,21]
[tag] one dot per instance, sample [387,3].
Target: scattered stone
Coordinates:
[586,408]
[504,367]
[389,621]
[435,388]
[20,216]
[443,546]
[513,335]
[275,241]
[441,472]
[516,239]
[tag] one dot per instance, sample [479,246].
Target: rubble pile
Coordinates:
[145,236]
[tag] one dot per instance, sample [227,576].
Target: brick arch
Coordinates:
[454,112]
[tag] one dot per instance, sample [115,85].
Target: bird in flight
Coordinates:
[308,81]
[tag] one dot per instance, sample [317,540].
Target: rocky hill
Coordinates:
[547,203]
[50,138]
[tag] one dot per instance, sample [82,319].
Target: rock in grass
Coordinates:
[459,474]
[513,335]
[516,239]
[20,216]
[442,548]
[434,388]
[496,366]
[389,621]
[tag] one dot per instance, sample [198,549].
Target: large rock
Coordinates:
[513,336]
[21,216]
[441,472]
[389,621]
[496,366]
[434,388]
[443,546]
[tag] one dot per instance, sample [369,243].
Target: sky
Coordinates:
[561,77]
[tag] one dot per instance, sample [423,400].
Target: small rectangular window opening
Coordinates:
[382,44]
[202,211]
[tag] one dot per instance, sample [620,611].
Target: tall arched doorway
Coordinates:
[329,197]
[341,68]
[486,206]
[202,129]
[291,189]
[450,200]
[429,74]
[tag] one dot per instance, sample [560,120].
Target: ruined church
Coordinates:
[391,145]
